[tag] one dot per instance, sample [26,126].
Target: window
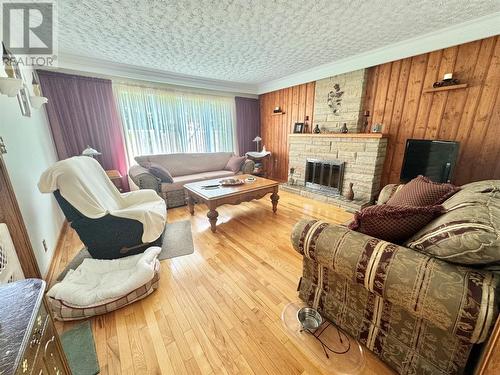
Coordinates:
[157,121]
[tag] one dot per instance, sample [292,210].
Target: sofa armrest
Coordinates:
[458,299]
[143,179]
[248,166]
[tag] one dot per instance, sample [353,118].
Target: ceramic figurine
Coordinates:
[377,128]
[344,129]
[316,129]
[291,180]
[349,195]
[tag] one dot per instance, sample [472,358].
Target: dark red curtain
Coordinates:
[247,123]
[81,112]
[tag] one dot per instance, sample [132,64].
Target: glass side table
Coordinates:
[327,346]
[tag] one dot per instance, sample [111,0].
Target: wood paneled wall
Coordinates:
[296,102]
[470,116]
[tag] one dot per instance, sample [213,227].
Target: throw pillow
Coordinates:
[159,171]
[143,161]
[393,223]
[422,192]
[469,232]
[234,163]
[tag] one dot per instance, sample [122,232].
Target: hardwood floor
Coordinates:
[218,310]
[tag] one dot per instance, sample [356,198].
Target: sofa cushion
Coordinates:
[422,192]
[393,223]
[234,163]
[161,172]
[183,164]
[469,232]
[180,181]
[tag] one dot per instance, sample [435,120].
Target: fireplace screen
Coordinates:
[326,175]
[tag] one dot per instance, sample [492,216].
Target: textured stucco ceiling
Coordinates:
[248,41]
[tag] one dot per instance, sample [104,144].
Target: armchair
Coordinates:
[111,225]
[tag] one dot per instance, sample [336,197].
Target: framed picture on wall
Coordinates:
[298,127]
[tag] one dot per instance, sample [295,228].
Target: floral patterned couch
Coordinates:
[420,307]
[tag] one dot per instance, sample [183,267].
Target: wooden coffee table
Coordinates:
[216,197]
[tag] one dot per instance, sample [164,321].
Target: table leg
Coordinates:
[190,202]
[212,217]
[274,199]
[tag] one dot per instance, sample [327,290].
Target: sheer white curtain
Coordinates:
[160,121]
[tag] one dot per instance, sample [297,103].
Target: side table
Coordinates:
[116,178]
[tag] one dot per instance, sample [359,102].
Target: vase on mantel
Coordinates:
[316,129]
[349,195]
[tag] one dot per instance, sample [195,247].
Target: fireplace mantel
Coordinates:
[340,135]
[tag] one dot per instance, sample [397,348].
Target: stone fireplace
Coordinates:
[325,164]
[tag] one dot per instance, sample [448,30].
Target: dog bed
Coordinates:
[100,286]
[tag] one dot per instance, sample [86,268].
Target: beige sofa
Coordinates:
[184,168]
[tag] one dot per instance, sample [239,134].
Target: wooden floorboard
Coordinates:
[217,311]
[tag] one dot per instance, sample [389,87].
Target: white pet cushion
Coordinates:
[97,281]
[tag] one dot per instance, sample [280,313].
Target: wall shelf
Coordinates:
[446,88]
[277,113]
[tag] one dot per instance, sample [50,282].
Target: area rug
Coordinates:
[177,241]
[79,347]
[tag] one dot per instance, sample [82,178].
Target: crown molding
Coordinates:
[108,68]
[478,28]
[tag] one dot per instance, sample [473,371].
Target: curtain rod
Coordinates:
[174,88]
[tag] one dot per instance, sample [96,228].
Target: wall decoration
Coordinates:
[377,128]
[334,99]
[6,62]
[448,80]
[349,194]
[298,127]
[23,94]
[339,99]
[24,101]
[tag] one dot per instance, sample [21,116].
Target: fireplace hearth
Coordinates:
[325,175]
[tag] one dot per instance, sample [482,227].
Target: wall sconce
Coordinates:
[9,84]
[37,100]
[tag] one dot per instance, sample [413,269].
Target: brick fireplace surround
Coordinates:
[362,153]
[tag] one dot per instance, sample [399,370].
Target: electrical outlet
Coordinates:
[44,243]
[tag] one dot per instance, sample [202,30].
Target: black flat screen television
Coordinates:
[433,159]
